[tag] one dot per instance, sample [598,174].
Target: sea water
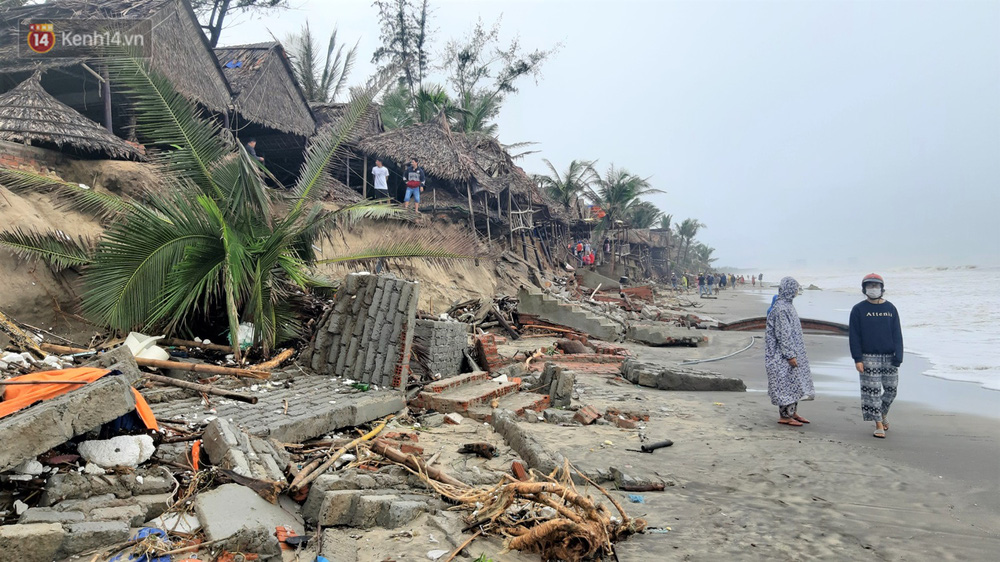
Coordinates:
[949,315]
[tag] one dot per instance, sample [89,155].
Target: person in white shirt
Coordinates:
[380,173]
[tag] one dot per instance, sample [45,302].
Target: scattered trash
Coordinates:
[650,447]
[124,450]
[435,554]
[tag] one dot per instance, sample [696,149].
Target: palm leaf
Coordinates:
[168,120]
[54,247]
[328,145]
[71,195]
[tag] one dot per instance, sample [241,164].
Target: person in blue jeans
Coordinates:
[415,179]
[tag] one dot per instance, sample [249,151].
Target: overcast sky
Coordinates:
[819,133]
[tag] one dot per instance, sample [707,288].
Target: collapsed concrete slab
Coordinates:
[34,430]
[36,542]
[216,508]
[77,486]
[662,335]
[316,406]
[557,382]
[368,334]
[678,378]
[527,447]
[550,309]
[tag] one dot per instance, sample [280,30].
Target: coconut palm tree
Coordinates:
[617,193]
[214,240]
[567,188]
[476,113]
[321,81]
[642,214]
[686,231]
[703,254]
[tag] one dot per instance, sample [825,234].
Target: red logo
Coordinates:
[41,37]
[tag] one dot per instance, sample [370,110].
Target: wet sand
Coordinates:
[753,489]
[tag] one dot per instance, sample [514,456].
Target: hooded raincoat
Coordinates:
[783,340]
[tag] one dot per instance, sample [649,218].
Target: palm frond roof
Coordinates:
[264,87]
[182,52]
[29,114]
[328,113]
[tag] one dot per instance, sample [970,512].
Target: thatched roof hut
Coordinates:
[329,113]
[440,152]
[183,54]
[29,115]
[264,87]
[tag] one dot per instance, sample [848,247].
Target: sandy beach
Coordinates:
[747,488]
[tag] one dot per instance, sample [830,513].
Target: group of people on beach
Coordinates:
[583,251]
[711,283]
[876,344]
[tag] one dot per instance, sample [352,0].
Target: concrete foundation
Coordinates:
[661,335]
[552,310]
[445,343]
[678,378]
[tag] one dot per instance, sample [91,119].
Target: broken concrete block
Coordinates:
[453,418]
[36,542]
[88,535]
[553,415]
[134,515]
[257,540]
[31,467]
[661,335]
[337,508]
[49,515]
[215,510]
[124,450]
[524,444]
[586,415]
[370,509]
[678,378]
[74,486]
[37,429]
[233,449]
[400,512]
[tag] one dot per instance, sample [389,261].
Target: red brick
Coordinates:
[411,449]
[586,415]
[517,469]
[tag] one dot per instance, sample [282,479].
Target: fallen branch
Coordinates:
[304,480]
[18,338]
[188,343]
[274,362]
[462,546]
[201,388]
[176,365]
[383,448]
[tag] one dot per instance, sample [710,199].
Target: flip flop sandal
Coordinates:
[797,417]
[879,433]
[790,421]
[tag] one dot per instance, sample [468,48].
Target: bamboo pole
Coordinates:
[304,480]
[364,179]
[395,455]
[201,388]
[510,215]
[275,361]
[472,213]
[188,343]
[176,365]
[434,198]
[486,211]
[106,96]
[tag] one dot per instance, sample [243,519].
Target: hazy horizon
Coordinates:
[833,134]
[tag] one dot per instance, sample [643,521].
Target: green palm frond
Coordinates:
[166,119]
[134,259]
[71,195]
[326,147]
[54,247]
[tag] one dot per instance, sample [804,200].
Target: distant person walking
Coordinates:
[673,281]
[684,282]
[710,281]
[877,349]
[380,174]
[789,379]
[701,284]
[415,180]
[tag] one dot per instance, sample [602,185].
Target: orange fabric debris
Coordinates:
[19,397]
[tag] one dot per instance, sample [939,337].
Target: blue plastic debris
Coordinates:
[636,498]
[143,533]
[321,559]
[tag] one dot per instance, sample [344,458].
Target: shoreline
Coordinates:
[827,490]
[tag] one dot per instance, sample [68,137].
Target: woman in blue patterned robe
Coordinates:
[788,376]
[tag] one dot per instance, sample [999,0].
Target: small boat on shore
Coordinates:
[808,325]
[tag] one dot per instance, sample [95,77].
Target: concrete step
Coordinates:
[517,403]
[461,398]
[453,382]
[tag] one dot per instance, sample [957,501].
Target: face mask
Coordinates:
[873,292]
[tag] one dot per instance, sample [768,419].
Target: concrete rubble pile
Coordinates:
[354,438]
